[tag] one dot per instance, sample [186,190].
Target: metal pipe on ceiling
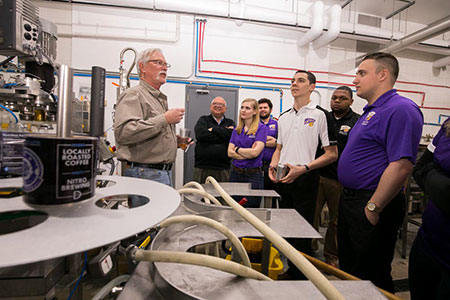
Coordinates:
[426,33]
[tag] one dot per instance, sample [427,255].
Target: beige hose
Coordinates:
[199,260]
[214,224]
[198,186]
[317,278]
[199,192]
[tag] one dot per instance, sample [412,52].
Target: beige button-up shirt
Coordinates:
[140,128]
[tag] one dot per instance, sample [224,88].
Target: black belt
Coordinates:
[246,170]
[164,167]
[353,192]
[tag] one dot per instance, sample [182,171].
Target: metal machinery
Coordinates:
[30,99]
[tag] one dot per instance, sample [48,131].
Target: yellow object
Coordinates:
[254,246]
[145,242]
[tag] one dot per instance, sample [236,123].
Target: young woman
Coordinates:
[245,148]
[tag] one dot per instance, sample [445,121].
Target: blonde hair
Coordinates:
[255,123]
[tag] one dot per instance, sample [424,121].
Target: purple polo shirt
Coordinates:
[272,130]
[442,150]
[246,141]
[389,130]
[435,228]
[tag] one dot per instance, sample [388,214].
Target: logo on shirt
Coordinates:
[368,117]
[272,127]
[309,122]
[252,136]
[344,129]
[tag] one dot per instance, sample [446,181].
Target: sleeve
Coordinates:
[130,127]
[216,136]
[223,133]
[403,134]
[437,187]
[324,130]
[423,166]
[332,138]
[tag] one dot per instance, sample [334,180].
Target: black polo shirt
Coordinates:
[341,128]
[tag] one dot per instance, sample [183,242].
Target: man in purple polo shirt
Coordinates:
[265,110]
[375,164]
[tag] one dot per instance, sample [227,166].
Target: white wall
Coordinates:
[250,43]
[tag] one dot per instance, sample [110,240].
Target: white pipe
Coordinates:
[198,186]
[441,62]
[216,225]
[199,260]
[202,193]
[317,278]
[428,32]
[316,10]
[334,27]
[131,38]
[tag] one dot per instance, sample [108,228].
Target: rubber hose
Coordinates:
[216,225]
[198,260]
[202,193]
[317,278]
[198,186]
[104,291]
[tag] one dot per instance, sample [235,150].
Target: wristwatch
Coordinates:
[307,169]
[372,207]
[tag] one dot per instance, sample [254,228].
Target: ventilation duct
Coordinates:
[334,27]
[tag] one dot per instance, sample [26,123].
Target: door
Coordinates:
[198,101]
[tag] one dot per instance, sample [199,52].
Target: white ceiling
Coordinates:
[422,11]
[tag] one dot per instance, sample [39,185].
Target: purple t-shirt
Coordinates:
[272,130]
[435,228]
[389,130]
[442,151]
[246,141]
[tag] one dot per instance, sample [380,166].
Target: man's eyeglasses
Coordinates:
[160,63]
[218,104]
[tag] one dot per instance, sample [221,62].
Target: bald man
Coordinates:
[213,134]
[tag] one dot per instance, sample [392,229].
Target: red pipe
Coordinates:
[201,43]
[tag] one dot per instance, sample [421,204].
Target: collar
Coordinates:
[382,99]
[220,121]
[310,105]
[347,116]
[156,93]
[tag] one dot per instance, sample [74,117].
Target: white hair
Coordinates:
[144,57]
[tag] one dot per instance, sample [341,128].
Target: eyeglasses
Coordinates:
[160,63]
[218,104]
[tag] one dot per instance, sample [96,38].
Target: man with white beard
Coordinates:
[144,127]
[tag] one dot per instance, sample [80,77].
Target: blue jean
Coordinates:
[164,177]
[257,183]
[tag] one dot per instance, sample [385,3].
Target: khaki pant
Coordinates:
[329,193]
[219,175]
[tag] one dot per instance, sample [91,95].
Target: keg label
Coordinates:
[33,170]
[75,170]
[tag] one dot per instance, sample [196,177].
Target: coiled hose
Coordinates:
[214,224]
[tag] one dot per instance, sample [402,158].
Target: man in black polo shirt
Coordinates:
[343,119]
[213,134]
